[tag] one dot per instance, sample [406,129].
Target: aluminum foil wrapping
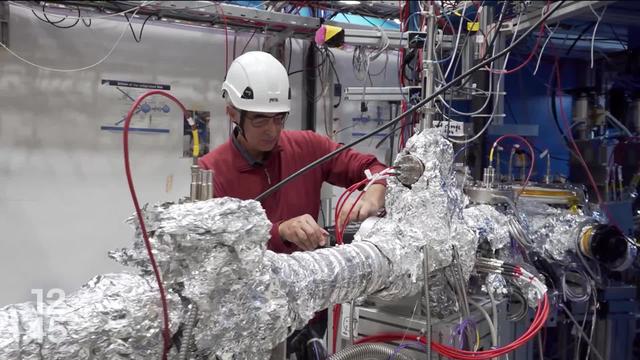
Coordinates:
[213,251]
[497,285]
[554,231]
[489,223]
[113,316]
[315,280]
[443,301]
[429,213]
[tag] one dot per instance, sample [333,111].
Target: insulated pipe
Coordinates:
[369,352]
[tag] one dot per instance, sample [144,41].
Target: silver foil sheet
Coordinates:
[489,223]
[213,253]
[430,213]
[554,231]
[113,316]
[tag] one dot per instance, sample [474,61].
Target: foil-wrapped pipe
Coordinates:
[113,316]
[213,254]
[371,351]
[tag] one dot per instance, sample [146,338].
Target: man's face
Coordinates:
[262,130]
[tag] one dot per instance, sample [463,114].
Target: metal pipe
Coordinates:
[206,185]
[428,66]
[195,183]
[425,270]
[370,351]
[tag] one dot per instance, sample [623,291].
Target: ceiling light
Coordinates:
[350,2]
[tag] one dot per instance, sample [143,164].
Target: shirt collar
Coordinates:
[243,160]
[251,161]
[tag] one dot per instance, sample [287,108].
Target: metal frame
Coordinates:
[569,9]
[380,93]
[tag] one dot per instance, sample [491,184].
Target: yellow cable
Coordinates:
[491,154]
[196,143]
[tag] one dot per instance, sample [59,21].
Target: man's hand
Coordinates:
[304,232]
[369,205]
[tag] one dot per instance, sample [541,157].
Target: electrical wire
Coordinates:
[137,38]
[226,38]
[55,23]
[455,47]
[581,331]
[13,3]
[490,322]
[488,99]
[166,336]
[570,135]
[421,103]
[249,41]
[595,29]
[531,153]
[491,266]
[544,46]
[41,67]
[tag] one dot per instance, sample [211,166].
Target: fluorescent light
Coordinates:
[350,2]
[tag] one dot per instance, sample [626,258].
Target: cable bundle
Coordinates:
[487,266]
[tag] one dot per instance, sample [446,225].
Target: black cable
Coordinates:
[411,110]
[290,53]
[55,23]
[137,38]
[248,41]
[332,60]
[316,67]
[579,37]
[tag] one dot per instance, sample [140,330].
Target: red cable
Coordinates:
[336,319]
[454,353]
[125,142]
[533,157]
[531,54]
[570,134]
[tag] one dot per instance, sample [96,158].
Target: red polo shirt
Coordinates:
[236,175]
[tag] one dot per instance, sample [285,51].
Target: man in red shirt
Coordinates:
[260,153]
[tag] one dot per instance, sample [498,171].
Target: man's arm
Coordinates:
[348,168]
[302,231]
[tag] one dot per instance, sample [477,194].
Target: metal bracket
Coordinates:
[382,93]
[4,23]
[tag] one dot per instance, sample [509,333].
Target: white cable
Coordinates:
[481,109]
[618,123]
[124,30]
[455,48]
[494,316]
[595,28]
[497,98]
[544,46]
[71,17]
[491,323]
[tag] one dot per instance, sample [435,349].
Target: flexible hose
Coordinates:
[188,332]
[370,352]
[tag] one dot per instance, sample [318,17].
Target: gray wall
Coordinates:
[63,192]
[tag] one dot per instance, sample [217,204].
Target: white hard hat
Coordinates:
[257,82]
